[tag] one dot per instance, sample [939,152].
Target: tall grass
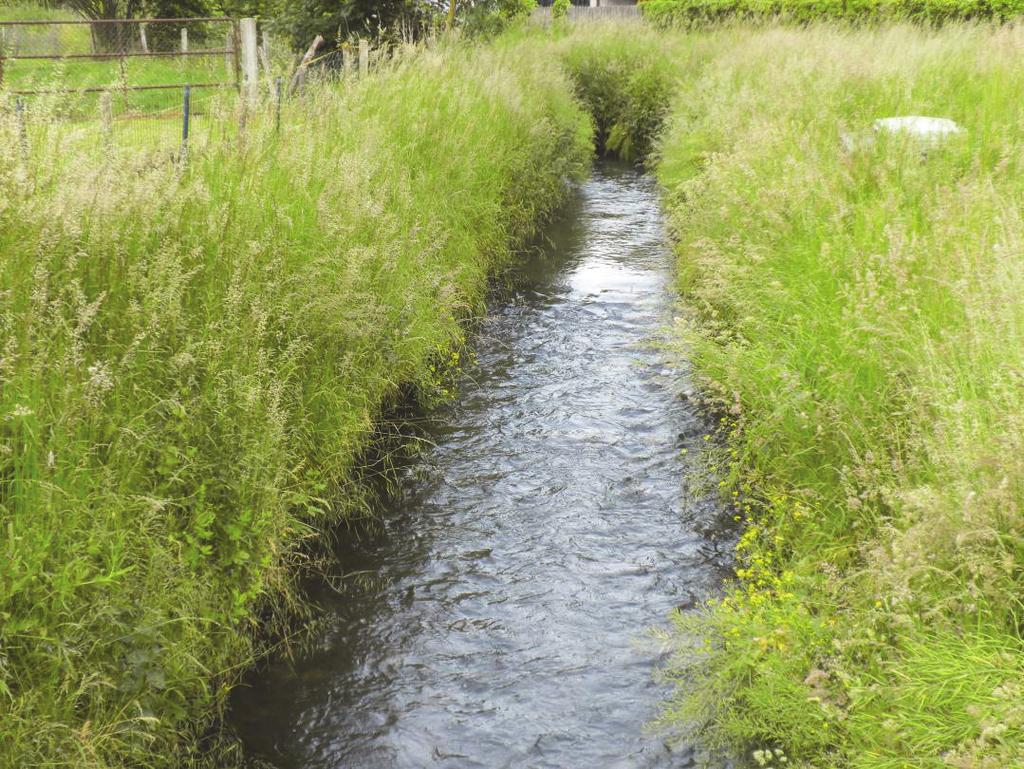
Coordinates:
[626,83]
[193,359]
[856,317]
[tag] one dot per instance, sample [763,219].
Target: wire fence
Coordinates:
[168,86]
[117,81]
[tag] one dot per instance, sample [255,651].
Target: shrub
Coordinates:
[626,84]
[691,13]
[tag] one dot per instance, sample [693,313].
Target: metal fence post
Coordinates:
[186,109]
[279,90]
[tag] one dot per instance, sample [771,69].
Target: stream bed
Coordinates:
[530,547]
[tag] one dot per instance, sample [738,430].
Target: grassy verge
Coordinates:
[857,316]
[191,363]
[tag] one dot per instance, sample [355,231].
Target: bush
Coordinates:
[488,19]
[691,13]
[626,84]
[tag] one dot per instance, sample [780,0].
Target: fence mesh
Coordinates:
[148,85]
[118,82]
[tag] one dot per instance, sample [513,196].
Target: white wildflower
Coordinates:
[20,411]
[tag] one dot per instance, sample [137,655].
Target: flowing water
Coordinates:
[530,547]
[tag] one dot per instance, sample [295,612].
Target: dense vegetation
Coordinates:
[302,20]
[191,363]
[854,310]
[691,13]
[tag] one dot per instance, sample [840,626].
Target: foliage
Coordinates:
[853,309]
[103,9]
[560,9]
[340,21]
[690,13]
[178,9]
[193,360]
[262,9]
[625,85]
[487,19]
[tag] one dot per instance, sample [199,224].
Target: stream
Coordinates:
[531,545]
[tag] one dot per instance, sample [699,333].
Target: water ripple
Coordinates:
[528,550]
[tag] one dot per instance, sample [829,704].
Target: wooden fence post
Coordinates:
[250,59]
[299,78]
[142,38]
[364,57]
[184,40]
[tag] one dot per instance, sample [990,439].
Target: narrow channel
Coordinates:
[531,546]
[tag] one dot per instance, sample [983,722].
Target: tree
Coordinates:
[105,37]
[116,37]
[166,37]
[103,9]
[340,20]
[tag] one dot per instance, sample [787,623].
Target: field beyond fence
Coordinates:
[119,81]
[151,84]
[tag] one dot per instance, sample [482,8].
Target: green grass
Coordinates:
[24,10]
[193,361]
[112,74]
[117,75]
[856,318]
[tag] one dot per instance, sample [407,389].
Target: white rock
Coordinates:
[929,129]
